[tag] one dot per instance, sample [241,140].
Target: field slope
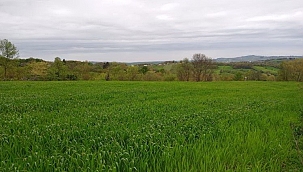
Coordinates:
[149,126]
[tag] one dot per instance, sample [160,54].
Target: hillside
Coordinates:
[253,58]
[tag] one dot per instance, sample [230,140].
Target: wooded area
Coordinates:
[198,68]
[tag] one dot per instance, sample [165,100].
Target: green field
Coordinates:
[267,69]
[150,126]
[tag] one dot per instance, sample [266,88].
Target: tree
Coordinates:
[238,76]
[184,69]
[202,67]
[58,70]
[132,72]
[254,75]
[298,73]
[83,69]
[8,51]
[116,71]
[143,70]
[38,70]
[285,71]
[292,70]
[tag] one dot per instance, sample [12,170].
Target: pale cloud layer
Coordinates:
[141,30]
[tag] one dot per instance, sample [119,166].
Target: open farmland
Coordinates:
[149,126]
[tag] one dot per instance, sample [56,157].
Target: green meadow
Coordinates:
[151,126]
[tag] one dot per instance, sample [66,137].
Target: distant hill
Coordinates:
[253,58]
[147,62]
[248,58]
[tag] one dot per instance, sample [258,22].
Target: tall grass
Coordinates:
[148,126]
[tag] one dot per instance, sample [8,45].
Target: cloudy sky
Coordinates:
[149,30]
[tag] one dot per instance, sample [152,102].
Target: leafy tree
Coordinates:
[105,65]
[132,73]
[116,71]
[298,73]
[58,71]
[254,75]
[8,51]
[83,69]
[292,70]
[38,70]
[263,77]
[184,70]
[143,70]
[152,76]
[238,76]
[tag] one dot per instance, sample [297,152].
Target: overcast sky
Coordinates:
[149,30]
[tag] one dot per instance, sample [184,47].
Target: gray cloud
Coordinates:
[133,30]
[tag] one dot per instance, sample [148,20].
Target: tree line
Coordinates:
[292,70]
[60,70]
[198,68]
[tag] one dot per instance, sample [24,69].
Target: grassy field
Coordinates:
[267,69]
[150,126]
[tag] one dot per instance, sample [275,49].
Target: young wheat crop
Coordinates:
[148,126]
